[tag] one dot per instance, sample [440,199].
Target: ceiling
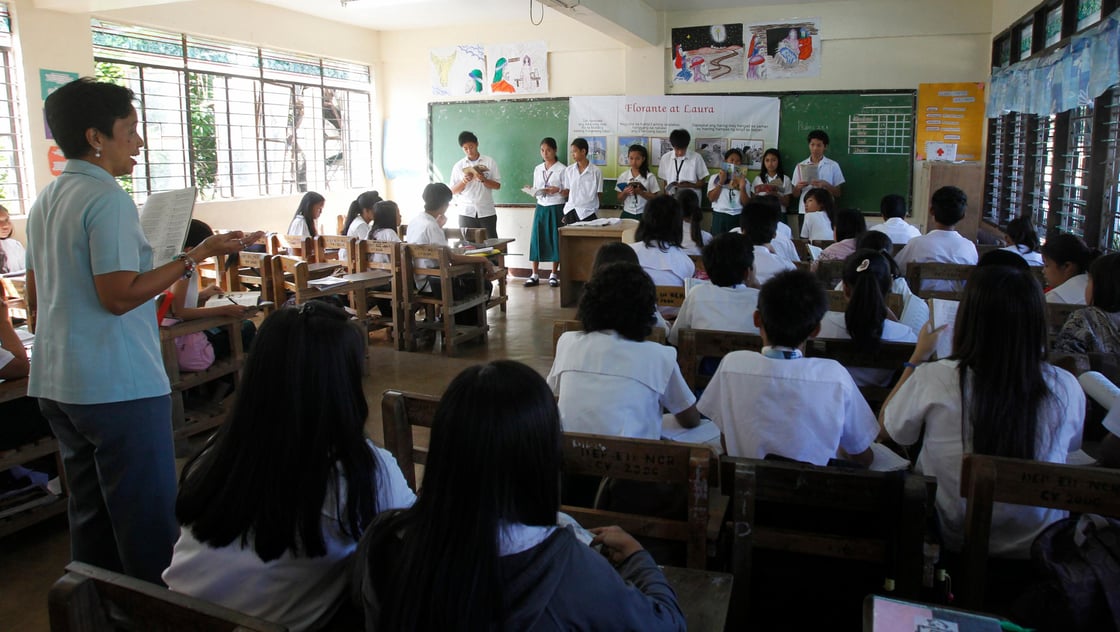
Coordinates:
[392,15]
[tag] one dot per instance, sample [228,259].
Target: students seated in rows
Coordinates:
[481,549]
[867,321]
[658,245]
[1024,240]
[780,402]
[942,243]
[727,303]
[850,226]
[273,507]
[618,252]
[760,224]
[1065,264]
[1096,329]
[360,216]
[893,210]
[915,311]
[609,380]
[693,237]
[782,243]
[994,395]
[819,211]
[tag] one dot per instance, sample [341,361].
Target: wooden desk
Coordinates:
[356,285]
[322,269]
[578,245]
[703,596]
[13,389]
[46,506]
[501,244]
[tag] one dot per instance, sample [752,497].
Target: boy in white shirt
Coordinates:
[473,180]
[725,304]
[942,243]
[893,209]
[760,225]
[681,168]
[582,183]
[828,174]
[779,402]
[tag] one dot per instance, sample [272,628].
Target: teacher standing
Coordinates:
[97,369]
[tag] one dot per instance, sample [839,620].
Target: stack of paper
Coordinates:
[326,282]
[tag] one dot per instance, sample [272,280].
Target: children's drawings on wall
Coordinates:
[458,70]
[784,50]
[520,68]
[708,53]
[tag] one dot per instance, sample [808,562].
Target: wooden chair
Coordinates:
[670,295]
[837,302]
[890,356]
[1056,315]
[14,289]
[253,269]
[560,327]
[822,243]
[830,272]
[292,275]
[92,599]
[45,446]
[435,262]
[802,247]
[363,261]
[916,273]
[987,479]
[693,345]
[340,223]
[646,461]
[328,247]
[302,246]
[874,518]
[181,381]
[400,413]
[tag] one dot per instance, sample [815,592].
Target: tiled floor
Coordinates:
[31,561]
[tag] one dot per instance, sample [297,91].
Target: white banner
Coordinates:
[611,124]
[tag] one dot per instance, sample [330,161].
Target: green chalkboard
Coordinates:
[510,132]
[871,136]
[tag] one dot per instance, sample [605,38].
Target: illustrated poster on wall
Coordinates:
[784,50]
[458,70]
[708,53]
[950,113]
[520,68]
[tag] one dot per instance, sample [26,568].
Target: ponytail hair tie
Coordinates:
[863,265]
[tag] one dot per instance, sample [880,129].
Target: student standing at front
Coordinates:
[582,183]
[681,168]
[828,175]
[473,180]
[544,244]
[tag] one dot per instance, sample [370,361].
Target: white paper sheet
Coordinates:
[165,218]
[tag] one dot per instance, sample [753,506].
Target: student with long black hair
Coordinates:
[307,213]
[658,242]
[996,394]
[273,507]
[693,236]
[481,550]
[360,215]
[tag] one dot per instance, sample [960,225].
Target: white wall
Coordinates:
[1007,12]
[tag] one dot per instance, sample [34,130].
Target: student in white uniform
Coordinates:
[782,243]
[942,243]
[780,402]
[1024,240]
[273,507]
[658,243]
[609,380]
[867,321]
[640,184]
[1065,265]
[427,228]
[473,181]
[850,226]
[819,209]
[13,256]
[308,212]
[693,237]
[915,311]
[1015,404]
[773,181]
[728,302]
[893,210]
[760,222]
[681,168]
[828,174]
[359,217]
[727,193]
[582,184]
[544,244]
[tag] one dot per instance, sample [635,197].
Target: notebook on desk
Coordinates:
[881,614]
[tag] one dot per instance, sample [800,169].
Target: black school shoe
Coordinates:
[553,282]
[532,282]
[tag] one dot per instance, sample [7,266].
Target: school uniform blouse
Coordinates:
[932,398]
[767,264]
[475,200]
[296,591]
[299,227]
[386,234]
[1033,257]
[14,254]
[898,230]
[941,246]
[545,177]
[359,229]
[665,267]
[816,226]
[1071,292]
[82,225]
[687,168]
[709,306]
[613,386]
[782,186]
[827,170]
[583,189]
[834,326]
[635,204]
[1090,330]
[729,201]
[690,247]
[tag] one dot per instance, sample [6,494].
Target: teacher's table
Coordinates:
[578,245]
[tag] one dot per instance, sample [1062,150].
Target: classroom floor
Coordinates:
[31,561]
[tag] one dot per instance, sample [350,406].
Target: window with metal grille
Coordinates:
[239,121]
[1110,224]
[13,175]
[1041,156]
[1013,197]
[993,188]
[1073,173]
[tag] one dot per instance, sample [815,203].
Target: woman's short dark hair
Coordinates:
[494,460]
[759,221]
[467,137]
[83,104]
[662,223]
[680,138]
[385,215]
[1105,274]
[550,141]
[306,203]
[296,427]
[727,258]
[1022,233]
[614,252]
[850,224]
[1066,248]
[619,296]
[791,304]
[892,205]
[436,196]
